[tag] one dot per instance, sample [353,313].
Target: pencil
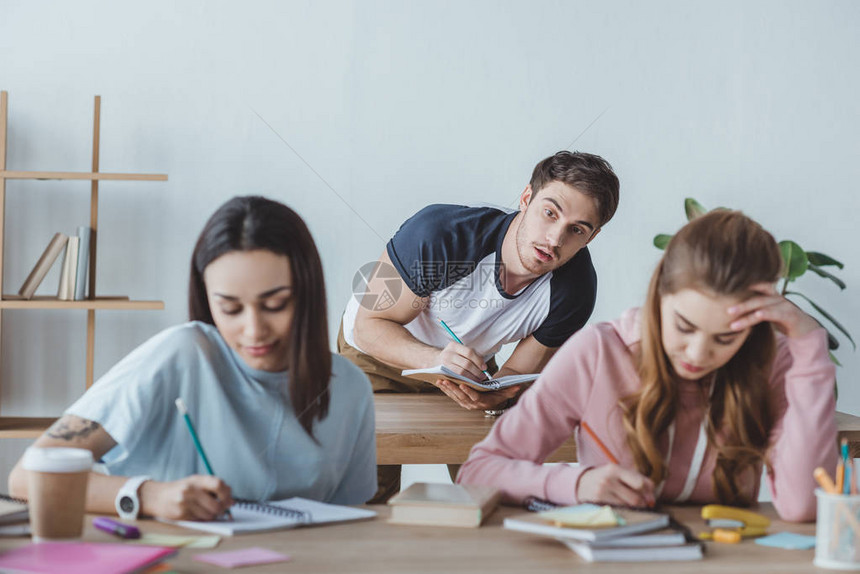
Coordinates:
[183,411]
[598,442]
[824,481]
[457,339]
[840,476]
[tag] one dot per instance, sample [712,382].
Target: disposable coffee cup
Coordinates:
[837,531]
[57,491]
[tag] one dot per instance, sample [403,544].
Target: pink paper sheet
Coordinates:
[244,557]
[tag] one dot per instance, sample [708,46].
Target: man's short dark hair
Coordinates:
[590,174]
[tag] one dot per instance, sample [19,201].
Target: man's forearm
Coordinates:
[391,343]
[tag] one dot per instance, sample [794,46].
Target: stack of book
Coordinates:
[606,534]
[75,266]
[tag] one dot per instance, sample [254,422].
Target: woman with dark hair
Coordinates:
[715,376]
[278,415]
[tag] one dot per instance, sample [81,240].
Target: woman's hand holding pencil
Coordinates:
[194,490]
[611,483]
[196,497]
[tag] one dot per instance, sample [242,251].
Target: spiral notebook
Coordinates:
[251,516]
[13,510]
[442,372]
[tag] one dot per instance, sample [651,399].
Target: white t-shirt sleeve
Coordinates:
[133,398]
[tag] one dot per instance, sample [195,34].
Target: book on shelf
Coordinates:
[444,504]
[252,516]
[55,247]
[66,290]
[442,372]
[83,269]
[628,522]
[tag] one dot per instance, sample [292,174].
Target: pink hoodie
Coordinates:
[595,368]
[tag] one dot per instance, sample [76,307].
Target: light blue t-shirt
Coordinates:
[243,416]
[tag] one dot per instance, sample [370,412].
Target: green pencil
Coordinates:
[183,411]
[457,339]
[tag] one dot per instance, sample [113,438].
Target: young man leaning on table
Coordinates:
[493,277]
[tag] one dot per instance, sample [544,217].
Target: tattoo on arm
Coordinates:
[70,428]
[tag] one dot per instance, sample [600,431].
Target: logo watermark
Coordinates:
[377,286]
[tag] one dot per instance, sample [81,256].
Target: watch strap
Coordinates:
[129,489]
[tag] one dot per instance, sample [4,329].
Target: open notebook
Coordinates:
[251,516]
[442,372]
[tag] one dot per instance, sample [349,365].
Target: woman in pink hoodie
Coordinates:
[716,376]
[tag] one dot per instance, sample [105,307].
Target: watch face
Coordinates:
[126,504]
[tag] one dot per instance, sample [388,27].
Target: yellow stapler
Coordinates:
[731,524]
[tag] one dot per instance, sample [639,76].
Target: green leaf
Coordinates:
[693,209]
[821,259]
[794,258]
[826,315]
[661,241]
[834,359]
[821,272]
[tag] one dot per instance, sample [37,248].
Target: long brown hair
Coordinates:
[724,253]
[251,223]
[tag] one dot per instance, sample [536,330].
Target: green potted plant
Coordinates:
[797,262]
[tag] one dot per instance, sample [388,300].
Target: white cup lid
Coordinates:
[57,459]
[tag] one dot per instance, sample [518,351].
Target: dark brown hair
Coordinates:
[251,223]
[590,174]
[724,253]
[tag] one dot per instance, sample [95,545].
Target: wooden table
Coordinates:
[433,429]
[378,547]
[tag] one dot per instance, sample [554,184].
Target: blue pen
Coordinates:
[846,484]
[457,339]
[180,406]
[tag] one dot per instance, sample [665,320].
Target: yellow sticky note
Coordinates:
[582,516]
[155,539]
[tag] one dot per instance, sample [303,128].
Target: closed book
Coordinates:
[66,290]
[635,553]
[43,265]
[630,522]
[83,263]
[665,537]
[463,505]
[82,558]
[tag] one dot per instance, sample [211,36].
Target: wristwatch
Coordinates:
[127,501]
[500,408]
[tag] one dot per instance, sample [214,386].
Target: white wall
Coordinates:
[359,113]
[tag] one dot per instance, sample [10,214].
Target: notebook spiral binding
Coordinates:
[12,498]
[535,504]
[281,511]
